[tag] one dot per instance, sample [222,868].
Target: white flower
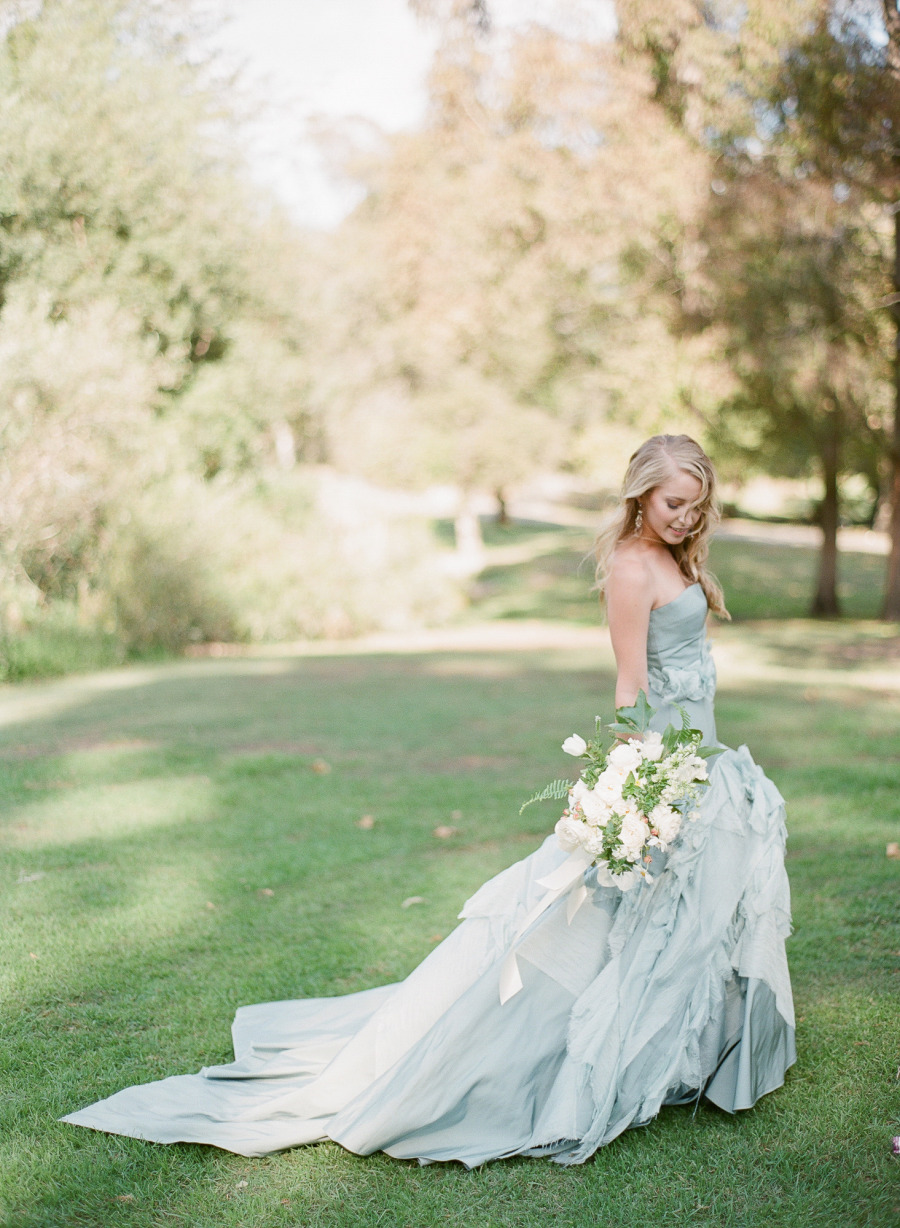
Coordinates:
[569,833]
[652,746]
[574,745]
[633,836]
[682,773]
[626,881]
[629,807]
[577,792]
[596,810]
[605,878]
[666,821]
[592,841]
[701,771]
[626,757]
[609,786]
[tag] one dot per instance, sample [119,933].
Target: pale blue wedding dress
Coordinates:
[650,997]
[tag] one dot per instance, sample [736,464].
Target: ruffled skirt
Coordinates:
[650,997]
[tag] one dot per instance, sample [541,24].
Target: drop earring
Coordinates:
[638,521]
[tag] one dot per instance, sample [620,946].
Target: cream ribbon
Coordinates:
[558,882]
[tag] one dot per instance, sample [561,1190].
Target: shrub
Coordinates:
[306,555]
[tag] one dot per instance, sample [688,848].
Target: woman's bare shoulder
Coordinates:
[630,572]
[630,563]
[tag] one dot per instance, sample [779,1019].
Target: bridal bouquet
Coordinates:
[632,797]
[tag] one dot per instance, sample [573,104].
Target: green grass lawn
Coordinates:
[170,852]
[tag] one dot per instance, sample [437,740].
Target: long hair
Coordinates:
[650,465]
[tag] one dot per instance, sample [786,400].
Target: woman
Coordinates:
[530,1030]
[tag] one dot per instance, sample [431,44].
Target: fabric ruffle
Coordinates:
[641,999]
[675,684]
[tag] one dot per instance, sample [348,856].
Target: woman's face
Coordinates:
[670,509]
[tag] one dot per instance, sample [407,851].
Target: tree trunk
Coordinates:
[891,608]
[825,603]
[285,445]
[469,541]
[503,518]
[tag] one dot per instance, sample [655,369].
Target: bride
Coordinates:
[675,989]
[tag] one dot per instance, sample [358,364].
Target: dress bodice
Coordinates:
[680,668]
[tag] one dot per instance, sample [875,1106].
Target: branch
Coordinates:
[892,25]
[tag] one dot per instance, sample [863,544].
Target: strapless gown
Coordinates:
[653,996]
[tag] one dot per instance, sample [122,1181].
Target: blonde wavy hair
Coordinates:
[651,464]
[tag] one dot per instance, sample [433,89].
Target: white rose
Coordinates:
[596,810]
[633,836]
[569,833]
[626,757]
[652,746]
[574,745]
[666,821]
[577,792]
[609,786]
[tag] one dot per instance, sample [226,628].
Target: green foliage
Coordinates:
[483,305]
[633,719]
[176,361]
[786,266]
[163,577]
[56,641]
[157,426]
[304,555]
[555,791]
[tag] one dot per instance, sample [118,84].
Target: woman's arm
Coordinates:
[629,599]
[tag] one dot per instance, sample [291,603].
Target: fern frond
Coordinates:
[556,790]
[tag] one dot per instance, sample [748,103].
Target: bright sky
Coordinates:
[350,59]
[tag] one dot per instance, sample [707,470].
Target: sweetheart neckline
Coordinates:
[686,589]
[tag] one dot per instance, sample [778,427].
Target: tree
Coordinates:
[133,265]
[794,288]
[486,317]
[836,106]
[796,105]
